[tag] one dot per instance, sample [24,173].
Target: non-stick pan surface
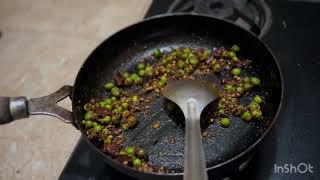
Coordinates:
[123,50]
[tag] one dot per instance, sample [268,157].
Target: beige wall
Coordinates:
[43,44]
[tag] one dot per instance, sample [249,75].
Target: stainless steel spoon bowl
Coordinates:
[192,97]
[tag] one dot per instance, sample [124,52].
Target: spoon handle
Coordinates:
[194,159]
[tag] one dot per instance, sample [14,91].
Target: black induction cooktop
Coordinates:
[292,34]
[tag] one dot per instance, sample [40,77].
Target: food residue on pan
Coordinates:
[205,135]
[106,119]
[155,125]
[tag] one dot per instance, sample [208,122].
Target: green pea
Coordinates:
[186,50]
[246,79]
[113,98]
[236,71]
[246,116]
[189,69]
[156,53]
[122,152]
[141,66]
[115,119]
[235,48]
[108,101]
[164,79]
[109,107]
[126,74]
[109,85]
[214,62]
[101,121]
[257,99]
[149,68]
[136,162]
[115,91]
[162,69]
[232,54]
[102,103]
[252,106]
[149,71]
[160,84]
[105,131]
[88,124]
[235,59]
[108,140]
[239,89]
[221,111]
[216,68]
[220,105]
[247,86]
[224,54]
[106,119]
[115,111]
[185,56]
[120,109]
[168,66]
[257,113]
[255,81]
[225,122]
[125,114]
[88,115]
[123,99]
[125,105]
[134,76]
[132,121]
[130,151]
[97,128]
[194,60]
[181,72]
[135,98]
[229,88]
[95,124]
[169,58]
[141,153]
[141,72]
[180,64]
[87,107]
[128,81]
[137,81]
[125,126]
[206,53]
[164,62]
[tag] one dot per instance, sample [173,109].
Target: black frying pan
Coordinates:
[226,149]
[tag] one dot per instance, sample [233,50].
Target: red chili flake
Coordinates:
[119,79]
[205,135]
[100,111]
[112,149]
[240,64]
[123,158]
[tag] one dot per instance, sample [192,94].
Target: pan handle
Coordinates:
[13,108]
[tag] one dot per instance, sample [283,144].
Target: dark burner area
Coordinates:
[253,15]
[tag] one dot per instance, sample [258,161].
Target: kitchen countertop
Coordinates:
[42,47]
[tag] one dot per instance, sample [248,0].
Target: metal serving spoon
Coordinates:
[192,97]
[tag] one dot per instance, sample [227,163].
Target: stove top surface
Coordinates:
[294,139]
